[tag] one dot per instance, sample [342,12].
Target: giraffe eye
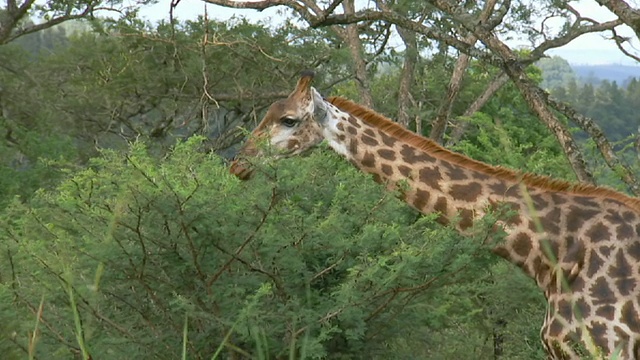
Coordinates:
[289,122]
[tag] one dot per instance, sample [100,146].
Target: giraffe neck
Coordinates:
[430,183]
[580,243]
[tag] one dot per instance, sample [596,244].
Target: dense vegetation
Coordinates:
[611,104]
[124,236]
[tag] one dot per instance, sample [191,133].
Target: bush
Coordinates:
[141,258]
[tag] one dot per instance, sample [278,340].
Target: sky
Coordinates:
[590,49]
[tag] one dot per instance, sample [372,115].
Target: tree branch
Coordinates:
[597,135]
[439,124]
[352,39]
[493,87]
[265,4]
[626,13]
[532,94]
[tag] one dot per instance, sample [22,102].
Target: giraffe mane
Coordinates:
[395,130]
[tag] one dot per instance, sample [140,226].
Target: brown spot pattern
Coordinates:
[575,251]
[522,244]
[601,292]
[558,199]
[595,262]
[466,219]
[457,173]
[606,311]
[624,232]
[555,327]
[634,250]
[576,217]
[441,205]
[467,192]
[387,169]
[629,216]
[498,188]
[387,140]
[583,310]
[550,221]
[404,170]
[539,202]
[564,309]
[513,191]
[368,140]
[387,154]
[631,317]
[599,332]
[369,132]
[368,160]
[412,156]
[354,122]
[598,232]
[430,177]
[421,199]
[585,201]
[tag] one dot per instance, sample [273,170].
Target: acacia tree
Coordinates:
[15,16]
[480,30]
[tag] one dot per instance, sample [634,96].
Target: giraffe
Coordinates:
[579,243]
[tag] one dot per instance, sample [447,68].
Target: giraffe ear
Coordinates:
[307,73]
[304,85]
[319,106]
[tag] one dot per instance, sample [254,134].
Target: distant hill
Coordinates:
[595,73]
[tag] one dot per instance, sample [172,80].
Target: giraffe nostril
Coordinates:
[293,144]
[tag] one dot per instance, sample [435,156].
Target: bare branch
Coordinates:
[493,87]
[597,135]
[46,25]
[407,74]
[532,94]
[331,8]
[577,30]
[494,53]
[352,39]
[249,96]
[408,70]
[619,42]
[265,4]
[439,124]
[625,12]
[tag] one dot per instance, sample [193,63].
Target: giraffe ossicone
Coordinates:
[580,243]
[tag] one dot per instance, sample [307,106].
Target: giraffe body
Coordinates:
[581,244]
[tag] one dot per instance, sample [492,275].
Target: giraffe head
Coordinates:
[290,127]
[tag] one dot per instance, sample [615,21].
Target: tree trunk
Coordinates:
[405,99]
[534,96]
[492,88]
[352,39]
[439,125]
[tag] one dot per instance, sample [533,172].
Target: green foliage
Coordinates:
[506,133]
[309,259]
[510,142]
[130,80]
[613,109]
[155,253]
[557,72]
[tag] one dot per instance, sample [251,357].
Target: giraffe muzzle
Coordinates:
[241,169]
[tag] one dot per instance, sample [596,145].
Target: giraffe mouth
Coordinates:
[241,169]
[244,170]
